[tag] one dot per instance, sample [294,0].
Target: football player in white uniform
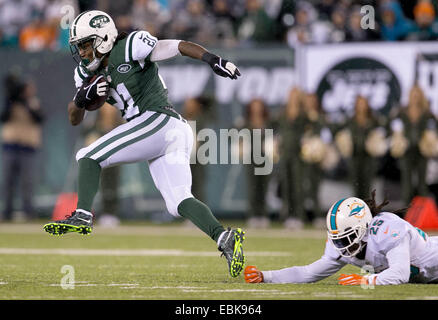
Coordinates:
[361,234]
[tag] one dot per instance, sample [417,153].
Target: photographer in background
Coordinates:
[21,135]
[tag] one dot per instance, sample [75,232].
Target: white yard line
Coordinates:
[172,230]
[131,252]
[175,230]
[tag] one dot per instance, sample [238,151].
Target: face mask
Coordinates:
[93,65]
[89,65]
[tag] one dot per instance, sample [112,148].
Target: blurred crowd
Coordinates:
[308,146]
[358,148]
[36,25]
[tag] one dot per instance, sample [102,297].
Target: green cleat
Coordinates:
[231,246]
[79,221]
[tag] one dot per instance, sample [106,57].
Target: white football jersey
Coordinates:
[396,251]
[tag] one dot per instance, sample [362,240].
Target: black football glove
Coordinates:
[220,66]
[90,91]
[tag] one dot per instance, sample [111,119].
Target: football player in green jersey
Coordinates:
[123,67]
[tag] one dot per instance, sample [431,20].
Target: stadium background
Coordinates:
[274,52]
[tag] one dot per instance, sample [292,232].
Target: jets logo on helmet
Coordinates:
[347,224]
[95,27]
[99,21]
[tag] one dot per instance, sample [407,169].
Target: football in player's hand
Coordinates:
[98,93]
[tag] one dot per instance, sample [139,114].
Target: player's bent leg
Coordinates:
[173,179]
[81,220]
[201,216]
[129,142]
[229,241]
[88,182]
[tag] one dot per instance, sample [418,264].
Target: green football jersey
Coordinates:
[135,84]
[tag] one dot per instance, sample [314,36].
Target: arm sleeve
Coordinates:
[165,49]
[399,268]
[313,272]
[318,270]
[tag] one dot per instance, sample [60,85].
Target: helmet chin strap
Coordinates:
[95,63]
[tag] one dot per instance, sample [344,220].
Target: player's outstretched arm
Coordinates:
[313,272]
[220,66]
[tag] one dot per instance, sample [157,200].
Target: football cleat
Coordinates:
[231,246]
[79,221]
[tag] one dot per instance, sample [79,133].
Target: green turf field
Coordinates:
[165,262]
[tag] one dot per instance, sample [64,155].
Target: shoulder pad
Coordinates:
[139,45]
[390,231]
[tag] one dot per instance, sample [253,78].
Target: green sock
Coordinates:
[88,182]
[201,215]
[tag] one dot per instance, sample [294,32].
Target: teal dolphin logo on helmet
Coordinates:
[356,210]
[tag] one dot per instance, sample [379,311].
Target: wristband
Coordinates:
[209,58]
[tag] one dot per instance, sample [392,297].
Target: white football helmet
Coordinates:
[347,225]
[96,26]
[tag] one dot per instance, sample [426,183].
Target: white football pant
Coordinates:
[164,141]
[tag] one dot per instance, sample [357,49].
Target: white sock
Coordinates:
[220,237]
[84,211]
